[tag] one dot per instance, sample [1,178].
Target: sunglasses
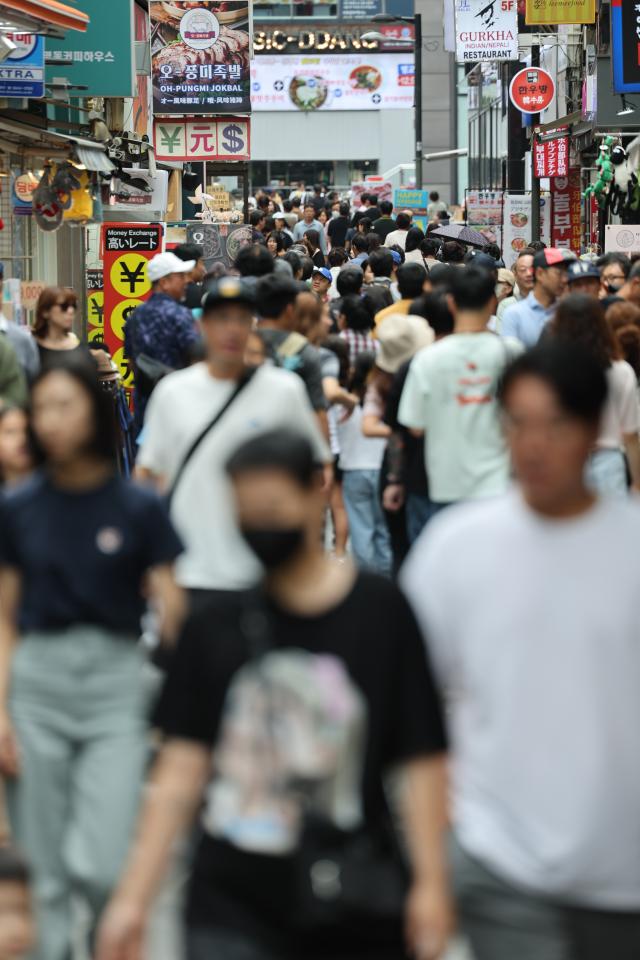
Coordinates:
[67,304]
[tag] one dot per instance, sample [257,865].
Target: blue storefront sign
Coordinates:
[625,47]
[22,73]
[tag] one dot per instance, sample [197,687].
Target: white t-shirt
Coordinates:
[621,412]
[358,452]
[533,626]
[450,393]
[216,556]
[396,237]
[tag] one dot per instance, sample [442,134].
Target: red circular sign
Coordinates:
[532,90]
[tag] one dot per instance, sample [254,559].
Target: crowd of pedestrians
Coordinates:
[366,608]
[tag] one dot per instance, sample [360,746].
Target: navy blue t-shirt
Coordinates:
[83,555]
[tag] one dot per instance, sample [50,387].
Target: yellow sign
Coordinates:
[120,314]
[124,366]
[95,314]
[129,275]
[543,12]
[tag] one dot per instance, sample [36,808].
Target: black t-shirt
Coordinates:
[335,701]
[414,472]
[337,231]
[383,226]
[370,213]
[82,556]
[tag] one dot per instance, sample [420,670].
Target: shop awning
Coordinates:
[22,138]
[42,16]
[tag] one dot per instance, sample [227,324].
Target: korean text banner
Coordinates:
[560,11]
[625,46]
[103,58]
[486,30]
[200,57]
[324,82]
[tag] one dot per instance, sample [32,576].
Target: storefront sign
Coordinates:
[333,82]
[540,12]
[140,194]
[204,139]
[625,46]
[22,73]
[127,248]
[566,212]
[516,226]
[220,241]
[414,200]
[532,90]
[484,213]
[200,57]
[95,305]
[551,157]
[321,40]
[22,189]
[103,58]
[486,30]
[622,238]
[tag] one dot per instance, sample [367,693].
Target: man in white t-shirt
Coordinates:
[530,607]
[450,395]
[183,404]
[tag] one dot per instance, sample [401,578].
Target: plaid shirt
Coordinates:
[358,342]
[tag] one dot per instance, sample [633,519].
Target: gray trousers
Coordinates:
[505,923]
[78,703]
[224,945]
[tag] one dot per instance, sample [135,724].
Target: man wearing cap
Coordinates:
[20,339]
[160,335]
[321,280]
[526,320]
[184,405]
[584,277]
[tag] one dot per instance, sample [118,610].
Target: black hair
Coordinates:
[359,312]
[362,367]
[189,251]
[279,238]
[440,275]
[359,242]
[634,272]
[13,868]
[429,247]
[453,252]
[472,288]
[344,209]
[337,256]
[287,205]
[434,195]
[537,245]
[411,278]
[493,250]
[403,221]
[386,208]
[374,242]
[381,262]
[276,450]
[434,309]
[623,262]
[349,280]
[398,249]
[256,216]
[314,237]
[293,260]
[365,223]
[575,376]
[442,215]
[307,268]
[254,260]
[414,238]
[308,205]
[82,369]
[339,346]
[263,202]
[274,294]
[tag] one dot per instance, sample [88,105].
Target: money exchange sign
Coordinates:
[207,138]
[127,248]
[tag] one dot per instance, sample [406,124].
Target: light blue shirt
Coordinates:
[526,320]
[301,228]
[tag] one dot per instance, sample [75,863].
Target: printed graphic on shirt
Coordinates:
[292,739]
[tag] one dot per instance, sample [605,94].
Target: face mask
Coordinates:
[273,547]
[614,285]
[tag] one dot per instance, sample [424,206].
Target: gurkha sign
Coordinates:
[486,30]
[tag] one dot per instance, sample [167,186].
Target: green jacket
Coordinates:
[13,383]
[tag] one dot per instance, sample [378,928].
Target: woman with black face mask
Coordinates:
[282,711]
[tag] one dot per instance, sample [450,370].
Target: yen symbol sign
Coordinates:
[129,275]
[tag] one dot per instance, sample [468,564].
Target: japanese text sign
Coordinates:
[625,46]
[103,58]
[551,158]
[203,139]
[200,57]
[127,248]
[95,305]
[566,212]
[486,30]
[560,11]
[22,73]
[532,90]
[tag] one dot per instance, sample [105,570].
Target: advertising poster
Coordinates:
[516,228]
[383,190]
[625,44]
[357,81]
[22,73]
[486,30]
[204,139]
[539,12]
[484,213]
[622,238]
[551,158]
[566,212]
[95,305]
[414,200]
[127,248]
[200,56]
[221,241]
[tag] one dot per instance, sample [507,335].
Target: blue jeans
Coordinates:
[419,512]
[370,542]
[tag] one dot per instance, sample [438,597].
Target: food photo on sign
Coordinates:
[200,56]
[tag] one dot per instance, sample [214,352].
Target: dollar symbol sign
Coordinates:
[233,140]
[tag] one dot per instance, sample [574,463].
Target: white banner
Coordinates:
[517,224]
[362,81]
[486,30]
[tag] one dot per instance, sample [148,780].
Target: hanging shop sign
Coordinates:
[202,139]
[622,238]
[486,30]
[23,187]
[220,241]
[551,157]
[333,82]
[566,210]
[102,59]
[22,73]
[543,12]
[625,46]
[94,287]
[139,194]
[127,248]
[532,90]
[200,57]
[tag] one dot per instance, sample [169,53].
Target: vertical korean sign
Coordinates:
[127,248]
[566,214]
[486,30]
[625,46]
[200,57]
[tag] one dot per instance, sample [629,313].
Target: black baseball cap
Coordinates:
[582,270]
[229,290]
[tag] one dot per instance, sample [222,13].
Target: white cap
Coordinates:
[164,264]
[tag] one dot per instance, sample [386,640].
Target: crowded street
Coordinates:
[319,480]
